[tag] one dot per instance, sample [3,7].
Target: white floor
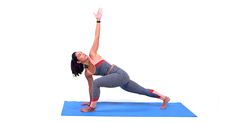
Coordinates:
[183,49]
[41,100]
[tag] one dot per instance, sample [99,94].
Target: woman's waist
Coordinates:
[111,69]
[105,70]
[102,67]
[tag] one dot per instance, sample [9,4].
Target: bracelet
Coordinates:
[98,21]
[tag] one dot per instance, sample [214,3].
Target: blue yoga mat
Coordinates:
[128,109]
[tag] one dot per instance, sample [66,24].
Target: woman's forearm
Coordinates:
[90,94]
[89,80]
[95,45]
[97,30]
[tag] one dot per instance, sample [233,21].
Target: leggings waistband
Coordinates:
[110,69]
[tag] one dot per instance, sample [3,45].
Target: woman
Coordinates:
[112,76]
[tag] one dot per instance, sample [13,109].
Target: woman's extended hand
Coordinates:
[98,15]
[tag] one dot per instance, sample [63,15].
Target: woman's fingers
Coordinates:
[98,15]
[85,104]
[100,10]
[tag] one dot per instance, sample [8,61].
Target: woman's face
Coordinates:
[81,56]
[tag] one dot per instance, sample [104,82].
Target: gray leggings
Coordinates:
[119,78]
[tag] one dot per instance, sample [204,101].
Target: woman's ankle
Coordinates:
[93,104]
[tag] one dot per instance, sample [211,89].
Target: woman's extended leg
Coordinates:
[133,87]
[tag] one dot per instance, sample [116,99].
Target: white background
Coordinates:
[181,48]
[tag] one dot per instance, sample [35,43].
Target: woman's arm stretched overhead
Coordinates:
[93,51]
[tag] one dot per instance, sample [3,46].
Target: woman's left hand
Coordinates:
[98,15]
[87,109]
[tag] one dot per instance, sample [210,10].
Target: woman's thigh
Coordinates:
[112,80]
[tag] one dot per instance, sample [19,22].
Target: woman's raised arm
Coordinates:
[95,46]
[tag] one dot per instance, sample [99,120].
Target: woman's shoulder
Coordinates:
[96,60]
[95,57]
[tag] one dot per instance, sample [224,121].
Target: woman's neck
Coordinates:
[88,62]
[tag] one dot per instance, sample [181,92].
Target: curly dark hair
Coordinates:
[76,68]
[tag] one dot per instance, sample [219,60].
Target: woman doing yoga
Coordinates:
[112,75]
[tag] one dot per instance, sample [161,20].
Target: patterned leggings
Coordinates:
[119,78]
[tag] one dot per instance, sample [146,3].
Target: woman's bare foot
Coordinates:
[165,102]
[87,109]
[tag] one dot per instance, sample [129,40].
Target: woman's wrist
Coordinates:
[98,21]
